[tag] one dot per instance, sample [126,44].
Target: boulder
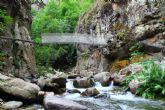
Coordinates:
[60,81]
[133,85]
[118,79]
[131,69]
[56,85]
[18,88]
[74,76]
[103,78]
[12,105]
[1,101]
[83,82]
[90,92]
[56,103]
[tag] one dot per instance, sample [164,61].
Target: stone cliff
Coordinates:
[19,57]
[124,23]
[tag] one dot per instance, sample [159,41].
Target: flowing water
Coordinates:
[113,98]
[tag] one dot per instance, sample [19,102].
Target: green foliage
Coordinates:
[135,49]
[2,55]
[5,20]
[57,18]
[152,80]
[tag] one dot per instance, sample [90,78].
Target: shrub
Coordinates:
[152,80]
[5,20]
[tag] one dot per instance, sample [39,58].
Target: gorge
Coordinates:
[128,73]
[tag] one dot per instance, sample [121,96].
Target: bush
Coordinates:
[152,80]
[5,20]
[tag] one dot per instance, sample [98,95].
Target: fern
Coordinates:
[152,78]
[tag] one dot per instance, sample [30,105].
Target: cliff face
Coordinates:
[19,57]
[123,23]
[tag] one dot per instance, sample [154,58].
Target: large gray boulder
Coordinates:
[18,88]
[56,103]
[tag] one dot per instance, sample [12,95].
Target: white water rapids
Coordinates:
[113,96]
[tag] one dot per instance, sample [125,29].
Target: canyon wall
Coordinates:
[124,23]
[19,56]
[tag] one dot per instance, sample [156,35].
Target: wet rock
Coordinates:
[74,76]
[83,82]
[103,78]
[60,81]
[1,101]
[12,105]
[56,103]
[103,95]
[73,91]
[133,85]
[19,88]
[90,92]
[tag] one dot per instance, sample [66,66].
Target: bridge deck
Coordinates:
[72,38]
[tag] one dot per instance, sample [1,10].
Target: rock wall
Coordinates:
[123,23]
[19,59]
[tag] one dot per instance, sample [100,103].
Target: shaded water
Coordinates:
[113,98]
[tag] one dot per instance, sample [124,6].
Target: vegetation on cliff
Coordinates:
[57,18]
[5,20]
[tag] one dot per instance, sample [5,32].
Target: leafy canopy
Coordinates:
[57,18]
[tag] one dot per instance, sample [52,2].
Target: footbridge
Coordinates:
[73,39]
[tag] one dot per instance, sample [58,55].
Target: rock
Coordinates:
[56,85]
[121,28]
[118,79]
[56,103]
[19,88]
[103,78]
[53,87]
[74,76]
[60,81]
[90,92]
[133,85]
[131,69]
[1,101]
[83,82]
[12,105]
[85,73]
[73,91]
[103,96]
